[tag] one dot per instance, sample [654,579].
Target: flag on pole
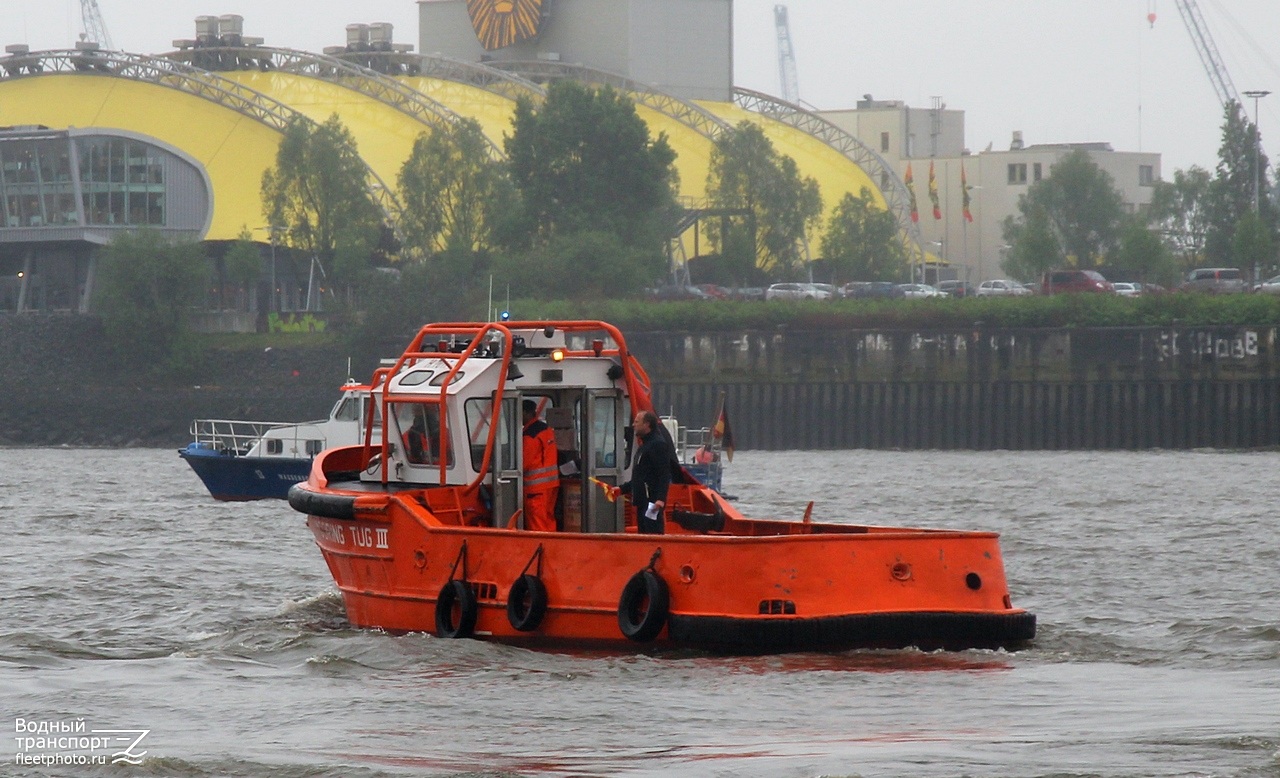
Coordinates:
[964,195]
[608,488]
[911,192]
[933,193]
[722,434]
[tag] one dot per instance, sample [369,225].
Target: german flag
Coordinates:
[722,433]
[911,192]
[933,193]
[964,195]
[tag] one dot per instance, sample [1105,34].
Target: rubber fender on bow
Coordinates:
[327,506]
[527,603]
[456,610]
[642,609]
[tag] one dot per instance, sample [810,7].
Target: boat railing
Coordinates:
[238,437]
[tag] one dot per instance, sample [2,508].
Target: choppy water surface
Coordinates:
[133,601]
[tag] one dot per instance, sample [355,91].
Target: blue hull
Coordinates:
[234,479]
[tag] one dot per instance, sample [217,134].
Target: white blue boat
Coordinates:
[259,460]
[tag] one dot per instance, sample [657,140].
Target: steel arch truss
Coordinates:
[401,64]
[874,165]
[166,72]
[685,112]
[321,67]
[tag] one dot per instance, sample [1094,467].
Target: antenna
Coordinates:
[94,28]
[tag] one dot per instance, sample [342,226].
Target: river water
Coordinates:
[132,601]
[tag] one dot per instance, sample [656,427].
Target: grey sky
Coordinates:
[1059,70]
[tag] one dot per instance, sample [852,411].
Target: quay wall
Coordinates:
[1177,387]
[1105,388]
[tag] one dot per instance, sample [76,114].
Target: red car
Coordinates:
[1068,281]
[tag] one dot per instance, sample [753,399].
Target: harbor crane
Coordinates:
[787,78]
[1208,52]
[94,28]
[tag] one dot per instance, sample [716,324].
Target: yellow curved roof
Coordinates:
[493,111]
[234,149]
[384,135]
[693,150]
[835,173]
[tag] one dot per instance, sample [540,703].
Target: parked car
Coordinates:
[1270,286]
[1127,288]
[1214,280]
[1001,287]
[678,292]
[791,291]
[868,289]
[957,288]
[714,291]
[918,291]
[1071,281]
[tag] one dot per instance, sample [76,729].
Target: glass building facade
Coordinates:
[83,179]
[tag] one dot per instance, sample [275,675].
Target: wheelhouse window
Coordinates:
[418,425]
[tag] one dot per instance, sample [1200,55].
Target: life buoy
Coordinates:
[527,603]
[456,596]
[642,608]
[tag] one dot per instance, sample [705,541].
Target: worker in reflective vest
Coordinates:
[541,471]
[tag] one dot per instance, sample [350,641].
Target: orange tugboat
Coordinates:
[423,525]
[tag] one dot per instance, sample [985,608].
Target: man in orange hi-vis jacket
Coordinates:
[541,471]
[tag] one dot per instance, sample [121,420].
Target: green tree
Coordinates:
[1233,187]
[145,286]
[1033,246]
[317,194]
[239,267]
[580,266]
[583,161]
[862,242]
[1143,256]
[453,193]
[1252,246]
[1181,212]
[747,174]
[1080,208]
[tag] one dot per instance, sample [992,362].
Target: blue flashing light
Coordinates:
[506,316]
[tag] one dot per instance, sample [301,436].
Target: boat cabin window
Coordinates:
[439,380]
[275,446]
[415,378]
[348,410]
[604,430]
[314,447]
[479,416]
[419,427]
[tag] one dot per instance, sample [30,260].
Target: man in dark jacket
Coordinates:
[650,473]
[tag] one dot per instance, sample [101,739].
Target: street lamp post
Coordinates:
[1256,94]
[271,230]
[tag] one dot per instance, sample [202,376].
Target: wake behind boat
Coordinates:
[259,460]
[423,523]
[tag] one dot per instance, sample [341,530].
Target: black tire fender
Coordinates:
[456,594]
[527,603]
[643,606]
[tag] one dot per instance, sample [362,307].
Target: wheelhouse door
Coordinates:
[603,460]
[505,483]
